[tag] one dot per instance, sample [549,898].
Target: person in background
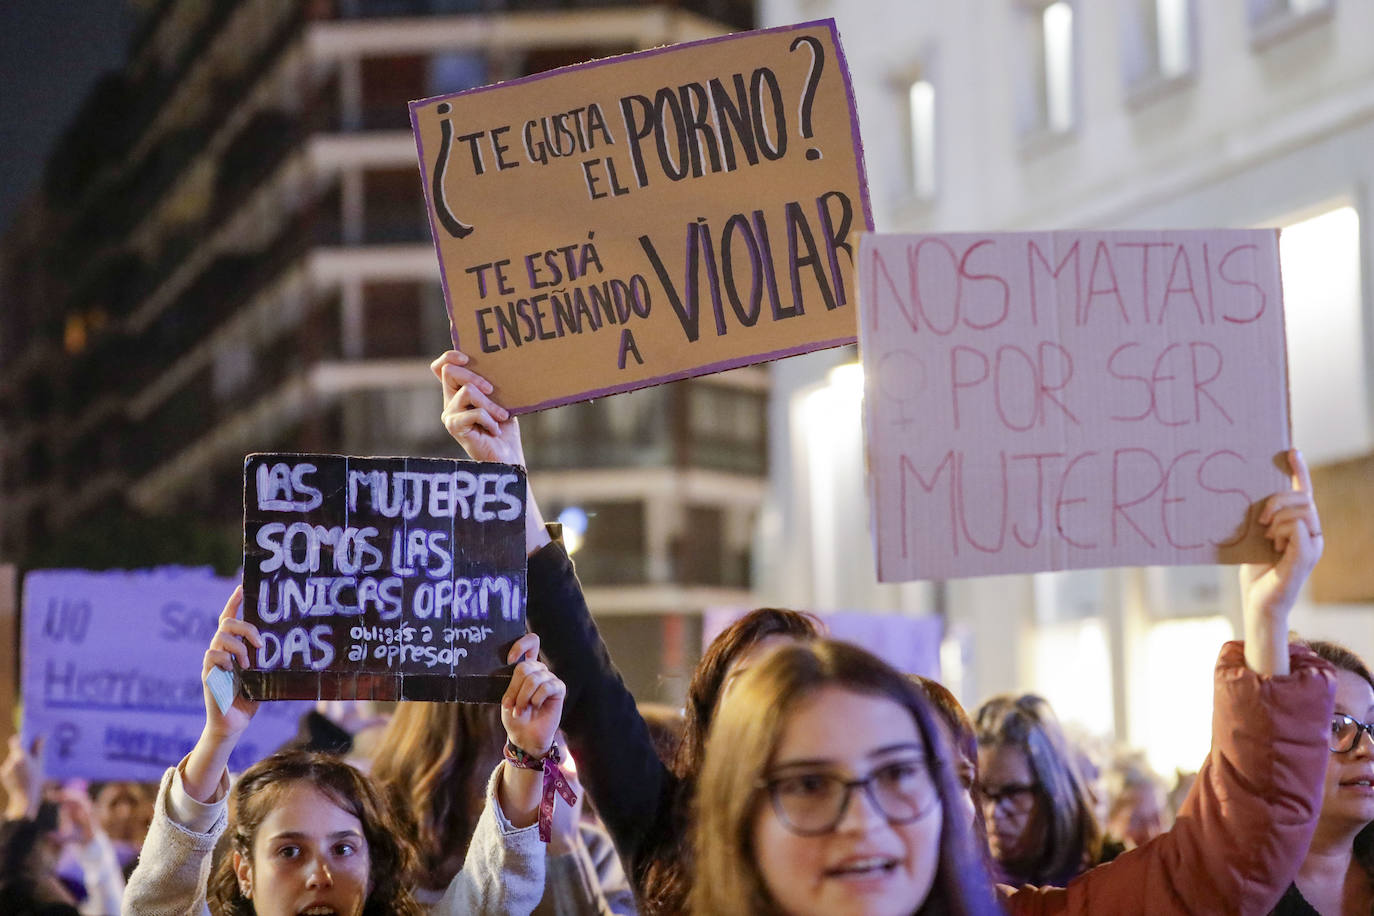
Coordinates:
[29,849]
[1139,809]
[124,810]
[964,742]
[55,842]
[436,758]
[312,834]
[1337,877]
[644,803]
[1041,826]
[666,725]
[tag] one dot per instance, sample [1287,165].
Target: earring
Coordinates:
[246,889]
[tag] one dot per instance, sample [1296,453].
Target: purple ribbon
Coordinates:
[554,780]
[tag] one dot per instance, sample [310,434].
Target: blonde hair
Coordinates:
[740,748]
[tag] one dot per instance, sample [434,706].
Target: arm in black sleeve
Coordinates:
[633,791]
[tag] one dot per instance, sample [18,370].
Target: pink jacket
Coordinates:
[1245,826]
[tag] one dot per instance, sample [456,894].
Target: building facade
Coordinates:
[230,253]
[1030,114]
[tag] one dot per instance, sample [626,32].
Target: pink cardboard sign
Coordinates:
[1069,400]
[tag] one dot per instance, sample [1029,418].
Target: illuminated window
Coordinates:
[1271,20]
[921,117]
[1328,389]
[1157,42]
[1072,668]
[1171,692]
[1046,90]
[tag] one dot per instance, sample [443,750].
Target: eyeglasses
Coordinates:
[1345,732]
[1009,796]
[812,803]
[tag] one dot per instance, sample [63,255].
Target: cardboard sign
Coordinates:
[1046,401]
[111,672]
[665,214]
[382,578]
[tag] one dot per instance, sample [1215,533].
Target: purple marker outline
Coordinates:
[721,366]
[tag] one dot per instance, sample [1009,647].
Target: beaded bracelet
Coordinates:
[554,781]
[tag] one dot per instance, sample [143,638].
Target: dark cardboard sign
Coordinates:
[382,578]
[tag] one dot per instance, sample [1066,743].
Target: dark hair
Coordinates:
[1347,660]
[389,830]
[25,888]
[665,724]
[1073,838]
[965,741]
[435,759]
[665,883]
[742,747]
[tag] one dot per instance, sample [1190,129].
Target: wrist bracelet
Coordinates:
[555,783]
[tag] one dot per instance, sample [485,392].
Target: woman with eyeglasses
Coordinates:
[1337,877]
[843,797]
[1041,826]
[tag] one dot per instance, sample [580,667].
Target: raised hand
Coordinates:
[1269,590]
[21,776]
[205,766]
[533,704]
[485,429]
[229,644]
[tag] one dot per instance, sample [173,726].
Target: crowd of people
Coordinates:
[804,775]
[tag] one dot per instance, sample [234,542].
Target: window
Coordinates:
[1157,43]
[1320,262]
[1046,93]
[1272,20]
[921,120]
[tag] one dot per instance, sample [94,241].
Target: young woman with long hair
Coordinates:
[312,835]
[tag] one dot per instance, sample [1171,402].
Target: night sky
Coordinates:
[51,54]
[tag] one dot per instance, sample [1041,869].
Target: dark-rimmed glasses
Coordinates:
[1345,732]
[1008,796]
[811,803]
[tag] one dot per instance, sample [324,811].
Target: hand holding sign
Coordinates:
[1269,590]
[223,725]
[533,704]
[485,429]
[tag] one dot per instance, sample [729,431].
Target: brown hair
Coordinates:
[665,883]
[388,830]
[742,745]
[965,741]
[435,758]
[1344,658]
[1073,838]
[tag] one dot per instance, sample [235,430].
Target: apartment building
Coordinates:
[230,253]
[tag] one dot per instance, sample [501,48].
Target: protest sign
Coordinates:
[665,214]
[382,578]
[111,672]
[1062,400]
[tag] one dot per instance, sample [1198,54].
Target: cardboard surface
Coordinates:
[111,672]
[382,578]
[664,214]
[1345,500]
[1046,401]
